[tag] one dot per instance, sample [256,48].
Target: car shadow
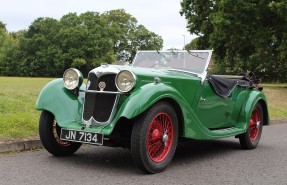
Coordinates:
[119,161]
[97,158]
[194,150]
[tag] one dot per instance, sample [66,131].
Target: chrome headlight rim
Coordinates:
[132,80]
[78,79]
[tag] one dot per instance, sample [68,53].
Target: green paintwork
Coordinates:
[61,102]
[205,114]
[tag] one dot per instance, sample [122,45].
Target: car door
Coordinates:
[213,111]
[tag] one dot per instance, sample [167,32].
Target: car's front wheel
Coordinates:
[154,138]
[250,139]
[49,132]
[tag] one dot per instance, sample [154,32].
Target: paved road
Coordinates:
[196,162]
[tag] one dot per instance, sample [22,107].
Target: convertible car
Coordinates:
[148,105]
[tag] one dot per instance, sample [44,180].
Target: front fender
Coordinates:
[143,98]
[62,103]
[146,96]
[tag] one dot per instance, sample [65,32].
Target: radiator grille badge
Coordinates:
[102,86]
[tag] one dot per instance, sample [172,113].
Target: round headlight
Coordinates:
[73,78]
[125,81]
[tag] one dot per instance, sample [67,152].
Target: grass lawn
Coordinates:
[277,100]
[19,119]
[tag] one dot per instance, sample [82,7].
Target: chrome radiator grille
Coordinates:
[100,105]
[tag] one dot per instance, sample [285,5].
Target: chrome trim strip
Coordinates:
[105,69]
[102,92]
[93,122]
[204,74]
[184,71]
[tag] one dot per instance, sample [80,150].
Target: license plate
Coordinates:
[82,137]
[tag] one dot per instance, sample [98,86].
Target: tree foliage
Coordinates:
[82,41]
[128,37]
[245,35]
[2,26]
[8,44]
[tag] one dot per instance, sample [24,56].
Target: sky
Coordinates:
[159,16]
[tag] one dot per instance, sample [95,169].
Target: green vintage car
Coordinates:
[148,105]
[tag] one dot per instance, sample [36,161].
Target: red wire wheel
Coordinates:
[254,124]
[154,137]
[250,139]
[56,132]
[49,132]
[159,137]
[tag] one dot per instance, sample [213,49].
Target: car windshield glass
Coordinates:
[195,61]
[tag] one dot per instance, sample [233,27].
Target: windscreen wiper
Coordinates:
[189,52]
[167,59]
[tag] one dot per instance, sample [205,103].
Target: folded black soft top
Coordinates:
[224,86]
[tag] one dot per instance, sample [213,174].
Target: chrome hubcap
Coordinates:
[165,138]
[257,124]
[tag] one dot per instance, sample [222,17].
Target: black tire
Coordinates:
[250,139]
[49,132]
[154,138]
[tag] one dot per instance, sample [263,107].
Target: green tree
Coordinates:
[50,46]
[84,41]
[86,37]
[245,35]
[39,50]
[143,39]
[3,39]
[2,26]
[193,44]
[120,26]
[127,36]
[8,44]
[197,14]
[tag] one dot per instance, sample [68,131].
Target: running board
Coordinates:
[226,132]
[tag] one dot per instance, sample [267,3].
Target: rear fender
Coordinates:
[246,111]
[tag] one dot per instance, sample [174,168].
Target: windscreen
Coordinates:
[192,61]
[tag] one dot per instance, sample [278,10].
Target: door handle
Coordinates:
[202,99]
